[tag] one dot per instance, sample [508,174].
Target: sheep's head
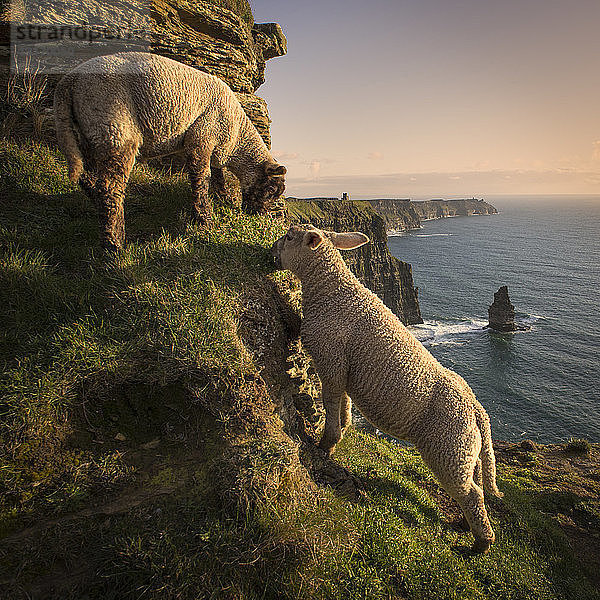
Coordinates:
[301,243]
[267,187]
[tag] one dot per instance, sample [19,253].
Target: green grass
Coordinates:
[202,494]
[394,543]
[307,212]
[81,330]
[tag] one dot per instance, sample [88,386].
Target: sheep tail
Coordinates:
[488,459]
[66,128]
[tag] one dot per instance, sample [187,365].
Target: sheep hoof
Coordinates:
[481,546]
[111,247]
[327,448]
[203,220]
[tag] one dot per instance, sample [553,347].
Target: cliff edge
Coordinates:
[373,264]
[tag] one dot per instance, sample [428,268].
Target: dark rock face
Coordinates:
[399,215]
[502,313]
[390,278]
[201,34]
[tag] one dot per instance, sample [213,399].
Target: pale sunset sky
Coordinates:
[436,98]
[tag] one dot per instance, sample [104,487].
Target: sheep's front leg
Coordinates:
[198,167]
[332,402]
[218,184]
[106,184]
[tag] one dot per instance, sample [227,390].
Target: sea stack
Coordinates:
[502,313]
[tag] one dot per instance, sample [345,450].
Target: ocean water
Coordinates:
[542,384]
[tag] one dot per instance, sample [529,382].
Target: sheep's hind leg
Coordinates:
[456,475]
[332,401]
[473,507]
[199,174]
[346,412]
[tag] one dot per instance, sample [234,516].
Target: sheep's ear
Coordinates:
[273,169]
[313,239]
[349,240]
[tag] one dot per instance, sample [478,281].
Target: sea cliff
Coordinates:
[438,209]
[404,214]
[390,278]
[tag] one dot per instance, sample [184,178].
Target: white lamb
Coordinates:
[113,110]
[362,350]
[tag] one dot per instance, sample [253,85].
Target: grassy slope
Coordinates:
[306,212]
[202,495]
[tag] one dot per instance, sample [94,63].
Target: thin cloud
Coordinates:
[314,168]
[375,156]
[283,156]
[465,184]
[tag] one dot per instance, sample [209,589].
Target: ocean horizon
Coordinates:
[539,384]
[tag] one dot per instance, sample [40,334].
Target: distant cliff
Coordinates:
[390,278]
[438,209]
[400,215]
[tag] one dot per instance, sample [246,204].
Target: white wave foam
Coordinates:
[529,319]
[434,234]
[450,333]
[457,332]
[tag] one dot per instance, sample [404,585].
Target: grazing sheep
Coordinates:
[112,110]
[365,355]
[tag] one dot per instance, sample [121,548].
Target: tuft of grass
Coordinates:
[24,97]
[579,445]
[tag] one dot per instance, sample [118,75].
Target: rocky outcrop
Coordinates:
[390,278]
[202,34]
[256,109]
[502,313]
[402,215]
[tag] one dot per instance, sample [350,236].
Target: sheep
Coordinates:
[366,356]
[113,110]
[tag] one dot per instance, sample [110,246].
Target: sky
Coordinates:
[435,98]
